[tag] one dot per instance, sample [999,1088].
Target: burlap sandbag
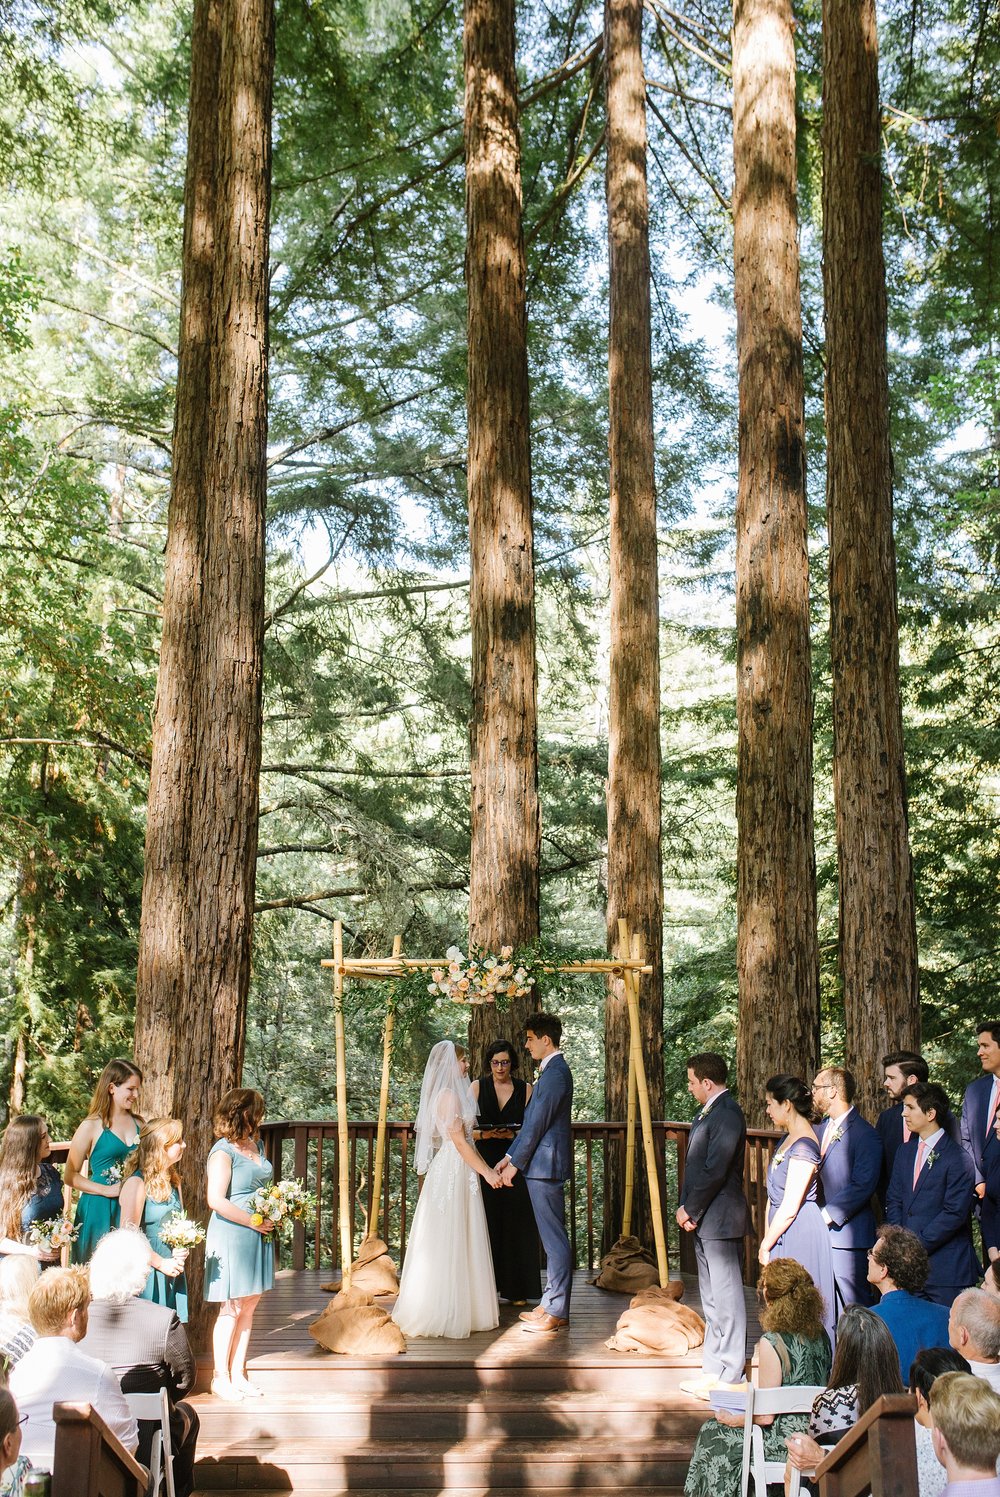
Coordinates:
[656,1294]
[373,1270]
[353,1325]
[663,1329]
[627,1268]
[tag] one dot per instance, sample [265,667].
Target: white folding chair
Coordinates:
[155,1407]
[771,1401]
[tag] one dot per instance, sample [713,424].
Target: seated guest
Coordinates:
[145,1344]
[14,1466]
[965,1428]
[974,1331]
[897,1268]
[928,1365]
[18,1276]
[931,1192]
[794,1350]
[865,1367]
[55,1370]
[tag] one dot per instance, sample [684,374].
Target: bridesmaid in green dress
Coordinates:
[104,1141]
[793,1351]
[239,1257]
[150,1194]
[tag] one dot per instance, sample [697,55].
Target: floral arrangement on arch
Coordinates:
[481,977]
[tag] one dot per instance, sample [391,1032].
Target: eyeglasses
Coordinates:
[823,1086]
[501,1065]
[23,1419]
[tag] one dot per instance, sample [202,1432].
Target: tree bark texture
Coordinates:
[776,942]
[201,840]
[635,879]
[878,947]
[504,858]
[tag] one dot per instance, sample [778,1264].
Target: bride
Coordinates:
[447,1286]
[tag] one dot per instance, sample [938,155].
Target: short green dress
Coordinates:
[239,1261]
[717,1463]
[160,1287]
[98,1215]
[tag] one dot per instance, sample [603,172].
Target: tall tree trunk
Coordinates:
[504,871]
[635,879]
[776,943]
[201,840]
[878,944]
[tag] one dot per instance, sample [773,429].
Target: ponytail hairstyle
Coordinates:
[792,1089]
[115,1073]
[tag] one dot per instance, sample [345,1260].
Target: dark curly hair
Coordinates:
[791,1300]
[502,1047]
[903,1256]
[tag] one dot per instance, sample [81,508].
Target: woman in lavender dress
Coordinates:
[795,1226]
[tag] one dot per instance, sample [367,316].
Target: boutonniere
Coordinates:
[929,1161]
[834,1134]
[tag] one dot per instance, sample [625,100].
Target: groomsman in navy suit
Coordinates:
[979,1107]
[714,1208]
[850,1166]
[901,1068]
[931,1193]
[543,1152]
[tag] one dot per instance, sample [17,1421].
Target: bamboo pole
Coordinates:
[629,1141]
[343,1137]
[656,1210]
[383,1104]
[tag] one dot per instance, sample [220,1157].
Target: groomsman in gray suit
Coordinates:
[714,1208]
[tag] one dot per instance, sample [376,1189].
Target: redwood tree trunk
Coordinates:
[201,840]
[878,946]
[504,859]
[635,882]
[776,944]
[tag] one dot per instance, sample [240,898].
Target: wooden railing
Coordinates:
[309,1151]
[879,1455]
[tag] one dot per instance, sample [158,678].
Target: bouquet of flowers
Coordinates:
[115,1173]
[284,1201]
[179,1231]
[481,979]
[53,1235]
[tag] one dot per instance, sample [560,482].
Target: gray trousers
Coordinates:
[720,1284]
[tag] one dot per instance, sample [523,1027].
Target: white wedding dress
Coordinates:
[447,1286]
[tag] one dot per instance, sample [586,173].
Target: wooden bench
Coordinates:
[879,1455]
[89,1460]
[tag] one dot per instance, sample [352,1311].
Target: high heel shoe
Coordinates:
[226,1389]
[247,1389]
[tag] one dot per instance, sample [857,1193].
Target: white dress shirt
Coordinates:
[55,1370]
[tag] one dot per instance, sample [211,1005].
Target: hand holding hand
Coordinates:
[689,1225]
[493,1179]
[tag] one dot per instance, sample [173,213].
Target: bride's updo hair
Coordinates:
[791,1089]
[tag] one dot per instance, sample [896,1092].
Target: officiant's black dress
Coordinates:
[509,1217]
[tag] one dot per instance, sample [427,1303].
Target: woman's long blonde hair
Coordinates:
[115,1073]
[20,1157]
[150,1160]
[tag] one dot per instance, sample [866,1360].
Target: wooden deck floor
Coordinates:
[500,1412]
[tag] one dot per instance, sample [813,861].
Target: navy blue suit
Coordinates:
[938,1211]
[543,1152]
[712,1195]
[848,1178]
[989,1208]
[889,1127]
[975,1116]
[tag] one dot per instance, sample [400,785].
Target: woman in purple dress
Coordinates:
[795,1226]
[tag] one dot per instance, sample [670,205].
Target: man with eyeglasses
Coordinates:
[849,1171]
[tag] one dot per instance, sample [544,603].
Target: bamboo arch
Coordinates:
[628,965]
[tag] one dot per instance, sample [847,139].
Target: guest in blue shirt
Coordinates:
[897,1268]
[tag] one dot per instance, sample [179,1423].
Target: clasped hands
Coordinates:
[506,1171]
[684,1221]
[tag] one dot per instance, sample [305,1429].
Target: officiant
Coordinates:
[501,1097]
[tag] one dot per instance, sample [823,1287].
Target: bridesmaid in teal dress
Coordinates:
[239,1257]
[104,1141]
[150,1194]
[31,1188]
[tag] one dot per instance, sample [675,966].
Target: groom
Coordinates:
[543,1152]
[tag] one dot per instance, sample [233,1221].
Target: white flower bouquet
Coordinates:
[480,978]
[284,1201]
[180,1231]
[53,1234]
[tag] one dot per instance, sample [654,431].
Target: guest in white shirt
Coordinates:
[928,1365]
[965,1428]
[974,1331]
[54,1370]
